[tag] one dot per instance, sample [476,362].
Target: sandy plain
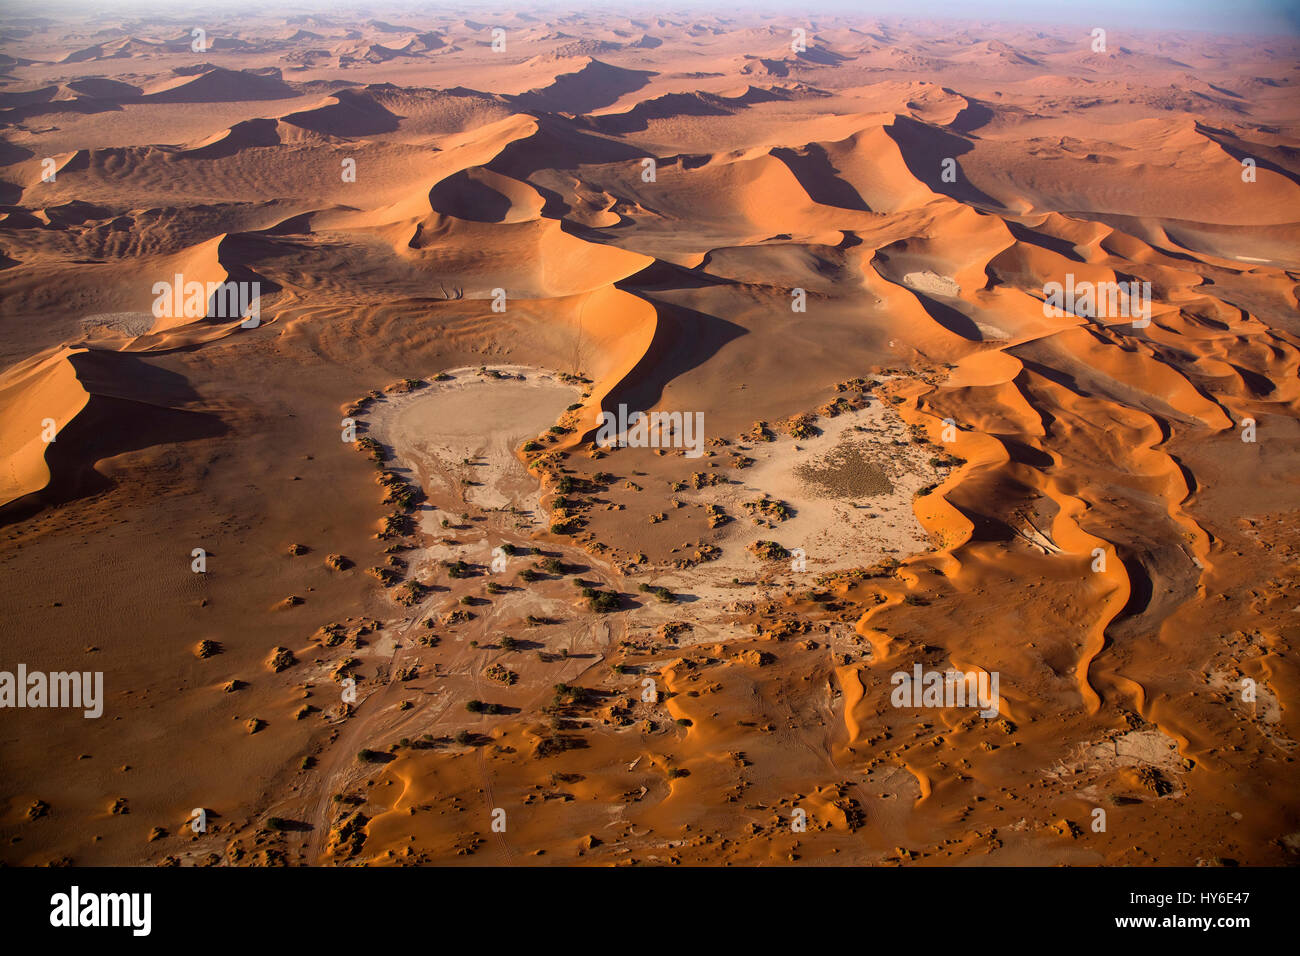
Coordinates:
[948,459]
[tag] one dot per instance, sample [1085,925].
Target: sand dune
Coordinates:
[217,85]
[840,257]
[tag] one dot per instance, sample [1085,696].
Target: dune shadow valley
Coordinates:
[647,436]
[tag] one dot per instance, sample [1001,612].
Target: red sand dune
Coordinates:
[840,256]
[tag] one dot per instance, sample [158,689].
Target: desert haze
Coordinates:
[644,437]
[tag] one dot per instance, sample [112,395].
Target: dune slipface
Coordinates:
[599,439]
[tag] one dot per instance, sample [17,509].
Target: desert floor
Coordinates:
[440,623]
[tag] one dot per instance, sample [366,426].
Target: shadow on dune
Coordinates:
[132,406]
[971,118]
[952,320]
[1240,149]
[557,147]
[1021,453]
[1062,247]
[355,113]
[250,134]
[81,104]
[984,527]
[10,154]
[684,339]
[661,276]
[669,106]
[1141,588]
[924,148]
[463,196]
[540,161]
[594,86]
[819,177]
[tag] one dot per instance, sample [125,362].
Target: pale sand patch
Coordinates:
[1149,748]
[864,521]
[433,431]
[991,333]
[1264,712]
[932,283]
[835,531]
[850,488]
[133,324]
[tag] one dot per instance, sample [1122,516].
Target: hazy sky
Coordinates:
[1236,16]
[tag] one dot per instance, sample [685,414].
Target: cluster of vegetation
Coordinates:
[662,593]
[374,451]
[396,525]
[411,593]
[386,576]
[705,479]
[567,524]
[407,385]
[501,674]
[601,601]
[802,427]
[838,407]
[856,385]
[457,569]
[769,550]
[281,659]
[569,695]
[947,461]
[769,507]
